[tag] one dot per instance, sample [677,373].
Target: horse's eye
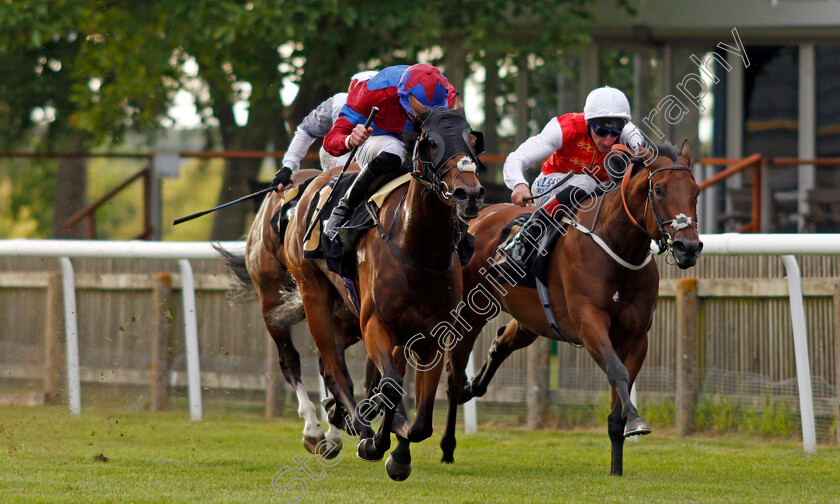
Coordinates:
[657,190]
[431,143]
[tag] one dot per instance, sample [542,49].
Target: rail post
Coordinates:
[54,340]
[161,341]
[539,355]
[687,385]
[837,349]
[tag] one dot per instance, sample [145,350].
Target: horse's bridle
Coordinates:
[680,221]
[432,178]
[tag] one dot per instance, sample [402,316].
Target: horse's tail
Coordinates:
[290,311]
[244,289]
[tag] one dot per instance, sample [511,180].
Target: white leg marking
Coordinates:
[306,410]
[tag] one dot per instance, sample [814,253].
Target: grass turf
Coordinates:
[47,455]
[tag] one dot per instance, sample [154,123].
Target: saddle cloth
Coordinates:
[280,220]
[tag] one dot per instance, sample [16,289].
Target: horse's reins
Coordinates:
[386,237]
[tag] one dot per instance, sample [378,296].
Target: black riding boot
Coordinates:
[380,165]
[542,223]
[528,238]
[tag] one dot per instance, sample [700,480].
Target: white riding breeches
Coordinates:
[376,145]
[544,182]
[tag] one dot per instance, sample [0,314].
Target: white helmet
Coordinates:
[606,102]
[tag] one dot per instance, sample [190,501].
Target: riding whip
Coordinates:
[320,209]
[263,191]
[223,205]
[553,187]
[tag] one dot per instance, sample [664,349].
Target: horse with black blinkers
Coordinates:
[600,284]
[408,279]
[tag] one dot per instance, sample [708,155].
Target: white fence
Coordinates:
[784,245]
[66,249]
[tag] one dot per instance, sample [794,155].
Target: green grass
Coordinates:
[47,455]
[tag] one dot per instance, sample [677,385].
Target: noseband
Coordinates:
[432,178]
[680,221]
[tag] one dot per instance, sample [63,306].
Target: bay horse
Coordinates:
[263,269]
[598,302]
[408,277]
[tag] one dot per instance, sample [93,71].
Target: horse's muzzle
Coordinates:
[468,200]
[686,252]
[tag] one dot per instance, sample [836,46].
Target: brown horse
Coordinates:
[408,277]
[263,268]
[598,302]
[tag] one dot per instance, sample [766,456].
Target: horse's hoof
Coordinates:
[331,449]
[367,452]
[447,459]
[397,471]
[311,443]
[636,427]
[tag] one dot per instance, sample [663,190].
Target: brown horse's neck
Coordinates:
[426,228]
[615,227]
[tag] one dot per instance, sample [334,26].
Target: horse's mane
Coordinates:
[666,150]
[669,151]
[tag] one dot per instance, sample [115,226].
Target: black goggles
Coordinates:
[601,131]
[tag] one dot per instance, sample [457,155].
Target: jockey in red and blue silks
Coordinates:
[381,145]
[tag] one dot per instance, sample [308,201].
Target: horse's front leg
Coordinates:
[632,354]
[619,379]
[389,390]
[595,332]
[455,382]
[624,420]
[426,378]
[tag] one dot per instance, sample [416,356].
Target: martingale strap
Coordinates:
[601,243]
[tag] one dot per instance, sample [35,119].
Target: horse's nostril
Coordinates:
[481,194]
[459,194]
[679,247]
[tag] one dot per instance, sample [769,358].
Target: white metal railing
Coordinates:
[783,245]
[66,249]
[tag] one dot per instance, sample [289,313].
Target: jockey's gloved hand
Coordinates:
[282,178]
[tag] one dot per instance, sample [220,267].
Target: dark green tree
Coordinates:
[105,67]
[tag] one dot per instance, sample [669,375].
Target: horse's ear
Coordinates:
[417,108]
[617,162]
[458,104]
[685,151]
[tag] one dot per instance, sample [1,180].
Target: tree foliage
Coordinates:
[105,67]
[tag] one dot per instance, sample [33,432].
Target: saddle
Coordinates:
[280,219]
[341,261]
[536,263]
[319,246]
